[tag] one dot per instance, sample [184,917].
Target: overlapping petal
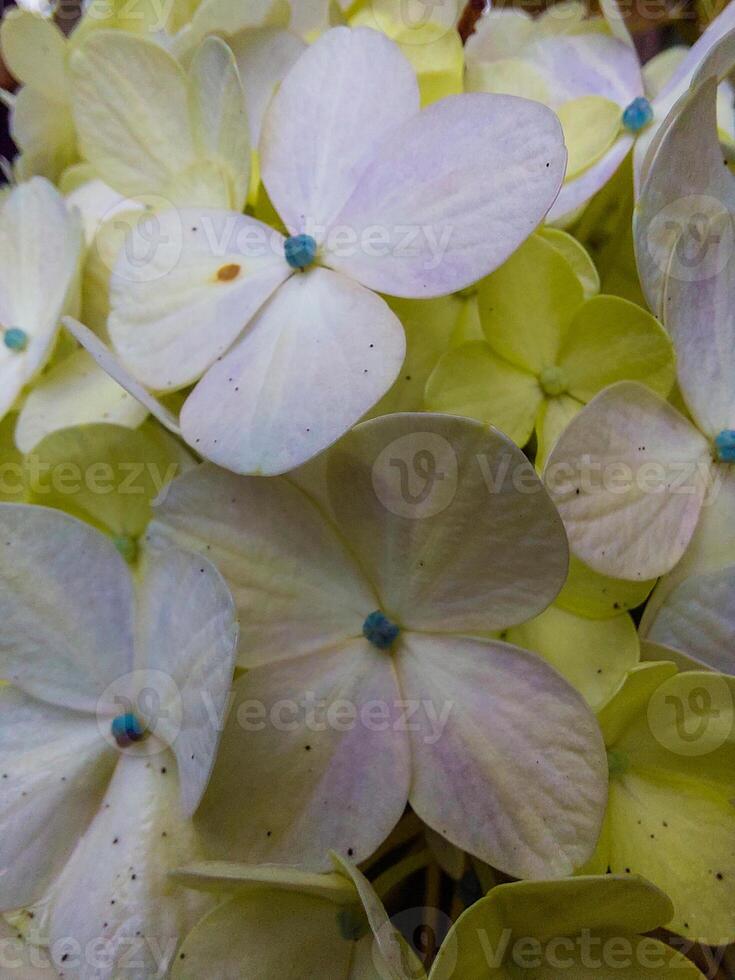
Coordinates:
[629,476]
[506,716]
[449,522]
[317,358]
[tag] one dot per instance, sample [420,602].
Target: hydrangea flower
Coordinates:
[292,343]
[633,473]
[671,753]
[592,79]
[290,923]
[369,606]
[548,348]
[38,54]
[51,386]
[40,248]
[583,927]
[110,726]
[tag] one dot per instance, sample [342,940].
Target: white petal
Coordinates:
[699,316]
[535,801]
[74,392]
[615,20]
[312,759]
[326,120]
[296,586]
[53,770]
[451,194]
[629,475]
[186,627]
[449,521]
[178,307]
[264,57]
[40,244]
[111,365]
[698,618]
[319,355]
[65,605]
[20,954]
[115,893]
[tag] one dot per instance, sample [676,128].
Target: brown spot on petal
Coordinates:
[228,272]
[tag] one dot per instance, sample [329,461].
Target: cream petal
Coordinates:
[449,521]
[295,583]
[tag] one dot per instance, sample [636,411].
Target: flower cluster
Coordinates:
[367,503]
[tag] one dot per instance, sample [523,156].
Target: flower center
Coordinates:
[300,251]
[127,729]
[618,762]
[553,380]
[127,546]
[379,630]
[15,339]
[725,446]
[638,115]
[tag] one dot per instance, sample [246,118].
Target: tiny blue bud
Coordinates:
[638,115]
[379,630]
[300,251]
[16,339]
[126,729]
[725,445]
